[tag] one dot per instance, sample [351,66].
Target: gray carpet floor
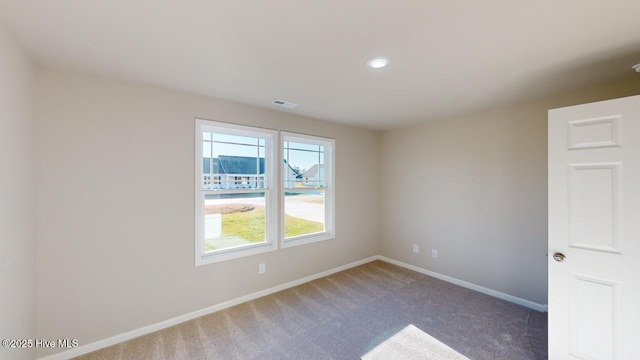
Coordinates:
[346,315]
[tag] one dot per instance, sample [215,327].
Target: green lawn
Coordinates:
[295,226]
[249,225]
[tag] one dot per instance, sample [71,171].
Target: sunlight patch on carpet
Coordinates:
[412,343]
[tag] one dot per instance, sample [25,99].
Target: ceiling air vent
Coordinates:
[286,104]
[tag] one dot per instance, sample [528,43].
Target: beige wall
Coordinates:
[116,206]
[17,198]
[475,189]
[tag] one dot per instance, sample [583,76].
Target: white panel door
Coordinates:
[594,230]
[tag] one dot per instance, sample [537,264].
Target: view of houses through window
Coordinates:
[233,172]
[304,187]
[236,205]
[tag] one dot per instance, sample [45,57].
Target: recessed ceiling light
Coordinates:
[378,62]
[636,67]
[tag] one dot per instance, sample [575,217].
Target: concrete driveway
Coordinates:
[308,207]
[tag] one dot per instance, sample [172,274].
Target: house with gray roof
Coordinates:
[233,172]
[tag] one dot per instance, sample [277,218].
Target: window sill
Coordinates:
[210,258]
[307,239]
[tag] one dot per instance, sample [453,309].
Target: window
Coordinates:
[308,196]
[235,207]
[236,199]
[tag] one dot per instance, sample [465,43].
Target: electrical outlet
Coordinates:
[434,253]
[262,267]
[416,248]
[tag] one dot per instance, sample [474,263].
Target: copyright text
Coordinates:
[40,343]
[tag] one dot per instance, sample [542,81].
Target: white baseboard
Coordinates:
[100,344]
[468,285]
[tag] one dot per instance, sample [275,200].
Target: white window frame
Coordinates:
[329,162]
[271,192]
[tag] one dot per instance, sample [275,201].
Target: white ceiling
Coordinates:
[448,57]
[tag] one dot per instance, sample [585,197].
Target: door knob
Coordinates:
[559,257]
